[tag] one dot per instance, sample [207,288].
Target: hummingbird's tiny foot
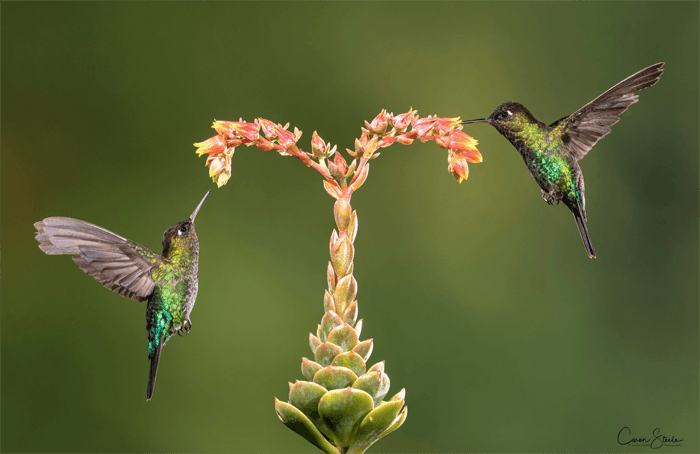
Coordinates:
[185,328]
[547,197]
[550,198]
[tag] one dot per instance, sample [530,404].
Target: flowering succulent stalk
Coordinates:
[341,406]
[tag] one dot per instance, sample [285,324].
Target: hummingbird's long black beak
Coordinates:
[481,120]
[196,210]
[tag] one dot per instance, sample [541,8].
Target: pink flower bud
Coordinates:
[285,138]
[268,127]
[340,163]
[379,124]
[401,122]
[422,126]
[319,148]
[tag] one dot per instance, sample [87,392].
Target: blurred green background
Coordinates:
[479,296]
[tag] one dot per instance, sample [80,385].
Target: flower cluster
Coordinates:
[231,134]
[383,131]
[445,132]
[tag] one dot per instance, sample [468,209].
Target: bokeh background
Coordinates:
[479,296]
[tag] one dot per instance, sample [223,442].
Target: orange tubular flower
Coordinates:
[465,145]
[233,128]
[220,166]
[212,145]
[457,166]
[443,125]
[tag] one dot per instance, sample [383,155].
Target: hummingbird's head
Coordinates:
[182,236]
[509,118]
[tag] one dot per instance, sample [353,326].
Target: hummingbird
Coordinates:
[551,153]
[168,282]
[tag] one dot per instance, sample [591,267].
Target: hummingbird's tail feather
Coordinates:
[581,223]
[155,359]
[580,216]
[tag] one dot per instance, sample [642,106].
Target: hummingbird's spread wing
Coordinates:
[585,127]
[119,264]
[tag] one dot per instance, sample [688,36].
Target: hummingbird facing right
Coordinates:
[551,153]
[168,282]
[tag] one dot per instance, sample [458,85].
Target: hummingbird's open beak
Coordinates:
[196,210]
[481,120]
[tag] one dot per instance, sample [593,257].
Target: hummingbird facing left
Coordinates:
[168,281]
[551,153]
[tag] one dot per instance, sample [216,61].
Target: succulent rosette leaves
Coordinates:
[340,407]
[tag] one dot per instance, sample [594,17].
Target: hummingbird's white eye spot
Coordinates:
[183,230]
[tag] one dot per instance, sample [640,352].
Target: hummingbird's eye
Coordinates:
[183,230]
[503,115]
